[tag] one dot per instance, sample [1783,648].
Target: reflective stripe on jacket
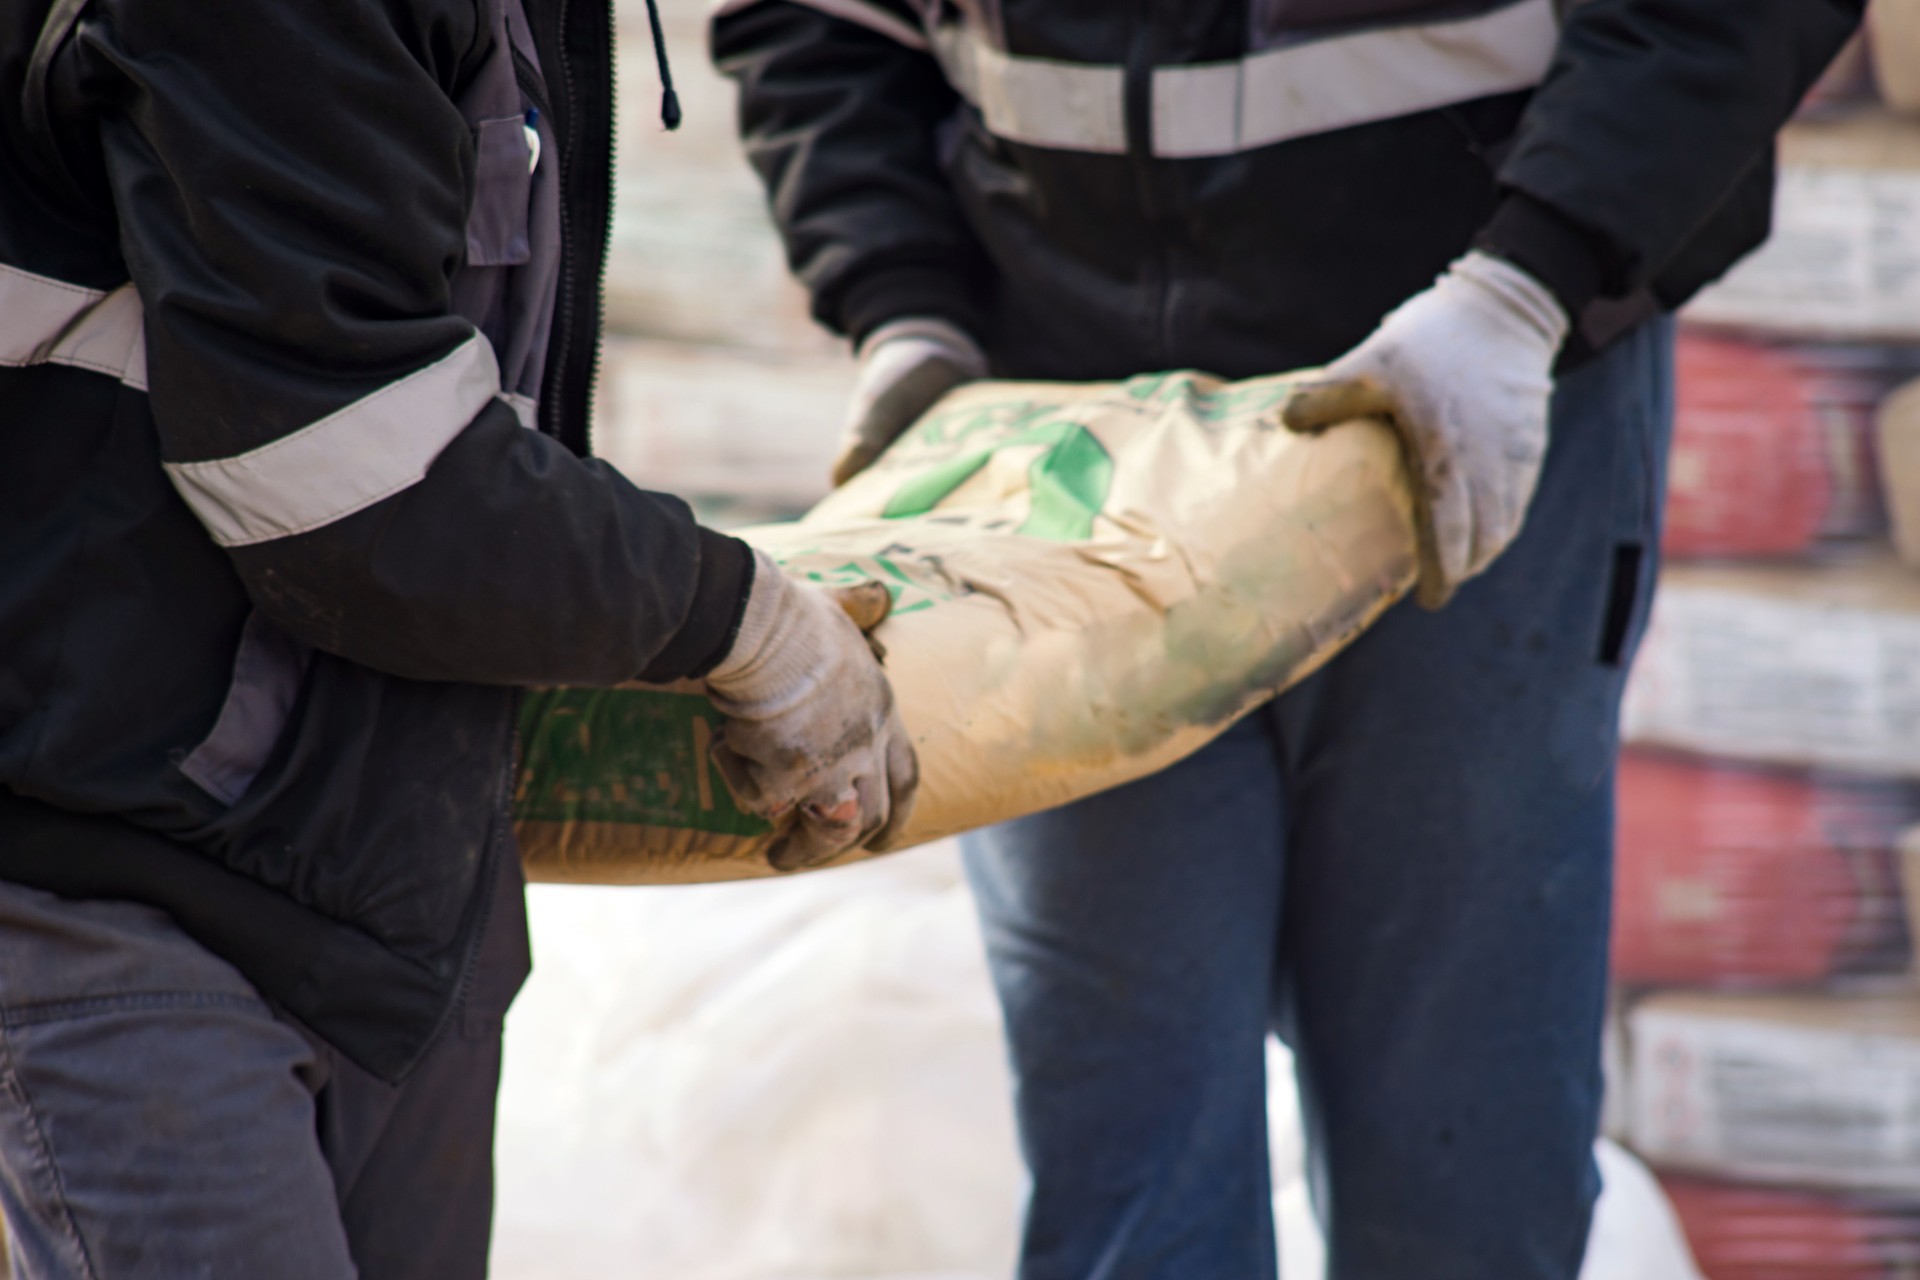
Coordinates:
[1243,185]
[1291,83]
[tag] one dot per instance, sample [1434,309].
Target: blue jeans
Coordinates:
[158,1119]
[1403,866]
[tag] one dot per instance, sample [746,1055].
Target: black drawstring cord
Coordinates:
[669,101]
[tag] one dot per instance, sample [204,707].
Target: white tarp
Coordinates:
[803,1079]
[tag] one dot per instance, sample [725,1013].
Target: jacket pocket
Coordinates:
[267,673]
[502,193]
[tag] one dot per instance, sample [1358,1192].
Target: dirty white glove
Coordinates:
[1464,372]
[904,367]
[811,727]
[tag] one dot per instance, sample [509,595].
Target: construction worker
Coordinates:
[1403,864]
[299,314]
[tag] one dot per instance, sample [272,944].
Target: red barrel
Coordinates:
[1759,1233]
[1730,875]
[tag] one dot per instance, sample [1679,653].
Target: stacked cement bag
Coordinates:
[1770,1034]
[1089,583]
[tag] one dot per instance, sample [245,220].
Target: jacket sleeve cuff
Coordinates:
[888,294]
[719,602]
[1550,247]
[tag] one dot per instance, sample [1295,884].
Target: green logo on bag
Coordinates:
[1070,481]
[637,757]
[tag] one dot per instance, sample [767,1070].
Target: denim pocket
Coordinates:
[1640,482]
[1623,602]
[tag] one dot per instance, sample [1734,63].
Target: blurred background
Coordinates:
[804,1079]
[715,384]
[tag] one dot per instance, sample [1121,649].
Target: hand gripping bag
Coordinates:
[1089,582]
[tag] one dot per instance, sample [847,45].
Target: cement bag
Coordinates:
[1089,583]
[1735,875]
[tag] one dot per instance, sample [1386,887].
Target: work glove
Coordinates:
[904,367]
[1464,373]
[811,729]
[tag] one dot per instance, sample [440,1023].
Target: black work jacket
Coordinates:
[296,343]
[1097,188]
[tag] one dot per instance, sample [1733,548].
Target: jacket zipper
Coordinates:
[586,136]
[609,194]
[569,253]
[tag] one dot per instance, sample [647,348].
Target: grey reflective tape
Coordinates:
[134,374]
[523,408]
[871,16]
[348,460]
[1071,106]
[1220,108]
[48,321]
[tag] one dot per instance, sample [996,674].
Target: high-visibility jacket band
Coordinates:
[1070,106]
[1219,108]
[345,462]
[48,321]
[1322,85]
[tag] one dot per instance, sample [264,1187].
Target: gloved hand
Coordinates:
[904,367]
[1464,372]
[810,719]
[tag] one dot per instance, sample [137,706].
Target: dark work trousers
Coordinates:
[1403,865]
[159,1120]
